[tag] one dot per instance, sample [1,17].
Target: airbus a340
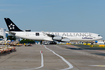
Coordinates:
[51,36]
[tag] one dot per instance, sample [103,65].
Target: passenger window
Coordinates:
[37,34]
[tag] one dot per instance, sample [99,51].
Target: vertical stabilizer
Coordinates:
[11,26]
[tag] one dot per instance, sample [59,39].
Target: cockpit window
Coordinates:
[99,35]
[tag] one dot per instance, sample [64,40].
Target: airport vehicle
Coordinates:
[1,50]
[15,44]
[49,42]
[7,49]
[4,49]
[51,36]
[28,44]
[12,49]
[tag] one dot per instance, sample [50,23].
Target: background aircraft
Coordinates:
[3,35]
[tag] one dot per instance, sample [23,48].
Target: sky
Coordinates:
[55,15]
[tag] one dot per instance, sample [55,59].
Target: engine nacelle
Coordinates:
[60,39]
[65,40]
[57,38]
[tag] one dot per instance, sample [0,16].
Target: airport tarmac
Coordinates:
[53,57]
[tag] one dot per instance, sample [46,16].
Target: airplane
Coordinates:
[51,36]
[3,35]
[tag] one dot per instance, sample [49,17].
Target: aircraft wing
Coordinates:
[57,37]
[50,35]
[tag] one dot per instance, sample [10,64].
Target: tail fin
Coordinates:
[11,26]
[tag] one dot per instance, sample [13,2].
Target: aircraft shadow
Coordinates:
[102,54]
[74,48]
[85,47]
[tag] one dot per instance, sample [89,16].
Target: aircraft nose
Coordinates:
[101,37]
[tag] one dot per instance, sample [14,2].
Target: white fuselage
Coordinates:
[70,35]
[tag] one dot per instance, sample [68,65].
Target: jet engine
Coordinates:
[57,38]
[65,40]
[61,39]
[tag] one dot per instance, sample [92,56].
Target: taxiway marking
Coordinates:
[70,65]
[42,63]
